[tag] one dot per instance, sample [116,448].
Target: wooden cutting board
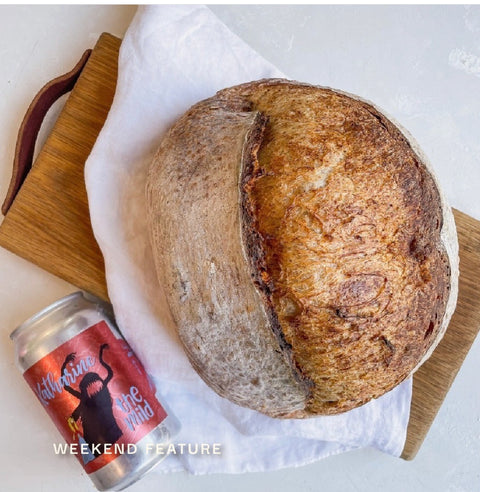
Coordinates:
[49,225]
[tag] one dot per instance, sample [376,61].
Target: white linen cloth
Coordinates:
[170,58]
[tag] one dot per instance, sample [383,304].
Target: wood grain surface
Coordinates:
[49,225]
[433,380]
[49,222]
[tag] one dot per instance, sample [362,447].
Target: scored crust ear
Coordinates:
[195,219]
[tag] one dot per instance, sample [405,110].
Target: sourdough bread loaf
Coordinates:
[308,257]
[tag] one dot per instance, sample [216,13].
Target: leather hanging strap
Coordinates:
[32,121]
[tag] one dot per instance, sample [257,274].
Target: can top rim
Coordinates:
[33,319]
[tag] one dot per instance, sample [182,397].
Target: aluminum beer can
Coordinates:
[95,390]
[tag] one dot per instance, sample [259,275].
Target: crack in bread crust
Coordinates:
[195,227]
[254,244]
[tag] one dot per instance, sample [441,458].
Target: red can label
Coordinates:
[98,394]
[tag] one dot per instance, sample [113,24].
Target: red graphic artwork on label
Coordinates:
[97,392]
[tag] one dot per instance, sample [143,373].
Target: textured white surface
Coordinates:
[399,57]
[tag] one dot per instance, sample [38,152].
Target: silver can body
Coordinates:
[95,390]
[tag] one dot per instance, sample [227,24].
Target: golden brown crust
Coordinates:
[347,220]
[321,201]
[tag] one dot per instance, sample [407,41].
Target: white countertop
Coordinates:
[420,64]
